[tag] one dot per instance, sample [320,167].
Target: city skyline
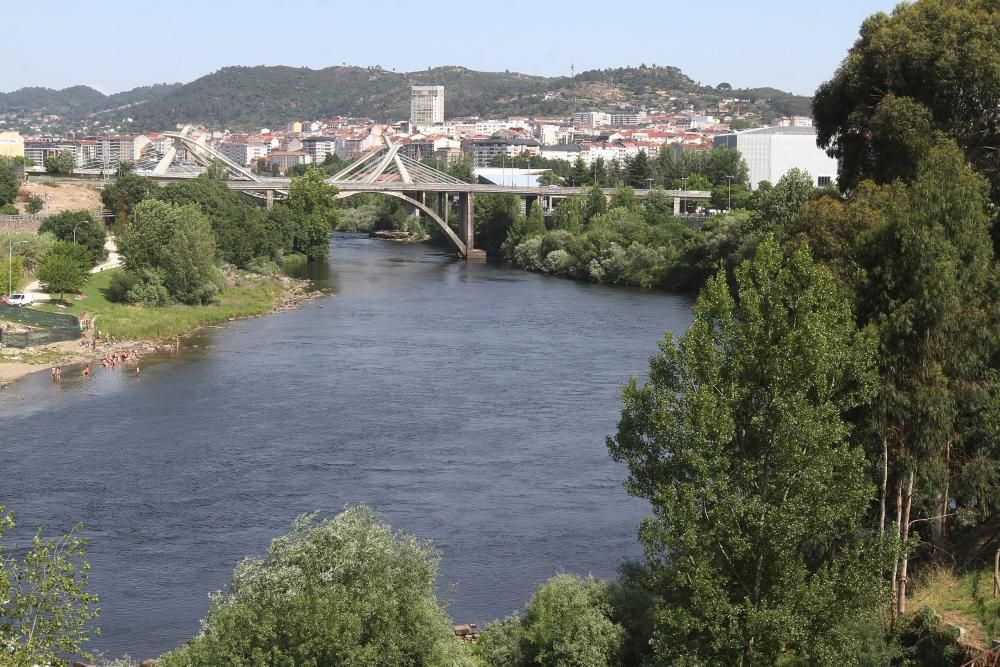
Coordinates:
[794,50]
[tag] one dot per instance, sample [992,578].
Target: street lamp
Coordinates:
[684,208]
[77,225]
[729,179]
[10,263]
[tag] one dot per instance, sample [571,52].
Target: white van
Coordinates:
[20,300]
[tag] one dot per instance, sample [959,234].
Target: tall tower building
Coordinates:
[427,105]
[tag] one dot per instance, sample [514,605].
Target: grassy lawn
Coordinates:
[965,600]
[136,322]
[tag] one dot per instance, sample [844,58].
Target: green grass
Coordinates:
[137,322]
[966,600]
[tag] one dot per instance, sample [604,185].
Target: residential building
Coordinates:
[482,151]
[567,152]
[426,105]
[244,152]
[770,152]
[317,148]
[285,159]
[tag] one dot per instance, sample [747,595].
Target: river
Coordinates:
[467,402]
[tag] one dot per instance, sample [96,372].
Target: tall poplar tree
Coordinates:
[738,441]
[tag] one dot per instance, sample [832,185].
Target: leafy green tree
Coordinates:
[9,185]
[776,206]
[64,268]
[44,606]
[216,171]
[176,242]
[63,163]
[310,198]
[240,229]
[525,227]
[726,162]
[567,623]
[640,171]
[739,441]
[929,66]
[594,203]
[581,173]
[344,591]
[125,192]
[567,215]
[931,294]
[88,232]
[461,168]
[495,216]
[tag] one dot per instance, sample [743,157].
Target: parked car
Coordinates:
[20,300]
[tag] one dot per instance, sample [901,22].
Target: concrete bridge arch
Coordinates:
[460,245]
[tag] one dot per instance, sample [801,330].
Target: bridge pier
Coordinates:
[528,201]
[467,227]
[270,199]
[677,205]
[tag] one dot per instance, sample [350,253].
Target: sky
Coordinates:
[117,45]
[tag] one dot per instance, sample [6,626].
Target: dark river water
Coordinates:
[468,403]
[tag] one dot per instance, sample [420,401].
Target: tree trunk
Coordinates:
[906,536]
[895,559]
[885,485]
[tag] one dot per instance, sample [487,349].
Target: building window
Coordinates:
[824,181]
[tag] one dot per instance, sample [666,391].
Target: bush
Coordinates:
[9,209]
[149,291]
[34,204]
[119,287]
[526,254]
[343,591]
[567,623]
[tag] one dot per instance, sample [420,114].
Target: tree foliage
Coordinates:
[125,192]
[88,232]
[64,268]
[929,66]
[344,591]
[567,623]
[739,442]
[9,184]
[62,164]
[44,605]
[175,243]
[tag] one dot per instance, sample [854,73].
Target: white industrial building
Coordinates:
[771,152]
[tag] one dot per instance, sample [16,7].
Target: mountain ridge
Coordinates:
[245,97]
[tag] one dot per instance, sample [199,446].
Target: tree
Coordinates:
[567,623]
[63,163]
[310,198]
[240,230]
[525,227]
[567,215]
[64,268]
[930,65]
[640,171]
[342,591]
[931,294]
[9,185]
[88,232]
[739,441]
[461,168]
[44,606]
[594,203]
[176,243]
[34,204]
[125,192]
[777,205]
[726,162]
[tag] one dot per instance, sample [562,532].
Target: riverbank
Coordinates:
[125,329]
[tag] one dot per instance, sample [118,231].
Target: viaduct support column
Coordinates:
[270,199]
[677,205]
[467,227]
[528,201]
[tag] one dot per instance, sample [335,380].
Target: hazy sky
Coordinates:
[116,45]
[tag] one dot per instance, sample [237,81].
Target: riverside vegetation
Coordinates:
[820,450]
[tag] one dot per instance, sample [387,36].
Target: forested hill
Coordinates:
[253,97]
[78,101]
